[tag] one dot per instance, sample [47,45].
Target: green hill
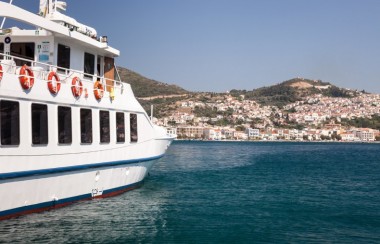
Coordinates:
[163,96]
[291,91]
[144,87]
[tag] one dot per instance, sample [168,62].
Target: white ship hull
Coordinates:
[35,191]
[81,140]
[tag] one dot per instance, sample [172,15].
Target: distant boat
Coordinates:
[68,130]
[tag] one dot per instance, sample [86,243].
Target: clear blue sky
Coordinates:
[218,45]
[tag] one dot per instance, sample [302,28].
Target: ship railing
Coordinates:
[12,65]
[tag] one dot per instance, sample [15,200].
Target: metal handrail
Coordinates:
[68,73]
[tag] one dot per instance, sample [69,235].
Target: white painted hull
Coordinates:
[111,148]
[47,190]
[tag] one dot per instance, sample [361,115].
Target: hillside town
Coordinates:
[315,118]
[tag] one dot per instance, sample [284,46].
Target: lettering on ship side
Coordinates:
[96,192]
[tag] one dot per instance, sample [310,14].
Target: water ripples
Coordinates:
[237,192]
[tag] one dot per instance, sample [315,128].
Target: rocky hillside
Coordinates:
[144,87]
[164,96]
[291,91]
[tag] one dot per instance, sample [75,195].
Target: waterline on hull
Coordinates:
[40,207]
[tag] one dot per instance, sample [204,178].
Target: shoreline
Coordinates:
[277,141]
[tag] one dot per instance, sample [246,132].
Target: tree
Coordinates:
[323,137]
[172,123]
[240,128]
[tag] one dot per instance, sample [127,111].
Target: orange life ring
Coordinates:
[76,87]
[98,90]
[54,87]
[1,72]
[26,81]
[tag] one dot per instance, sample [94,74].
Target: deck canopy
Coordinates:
[13,12]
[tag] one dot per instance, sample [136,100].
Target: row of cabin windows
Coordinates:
[26,50]
[10,125]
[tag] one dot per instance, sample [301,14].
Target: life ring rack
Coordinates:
[76,87]
[98,90]
[26,80]
[54,87]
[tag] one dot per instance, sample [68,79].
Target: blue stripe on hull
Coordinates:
[13,175]
[64,202]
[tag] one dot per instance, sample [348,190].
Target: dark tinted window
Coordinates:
[89,64]
[120,127]
[1,50]
[39,124]
[133,124]
[86,125]
[10,122]
[63,57]
[64,125]
[104,123]
[23,50]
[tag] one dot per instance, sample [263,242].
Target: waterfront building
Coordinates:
[365,134]
[190,132]
[252,133]
[347,136]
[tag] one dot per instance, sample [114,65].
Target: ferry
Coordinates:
[70,130]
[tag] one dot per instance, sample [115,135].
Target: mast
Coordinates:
[2,23]
[49,6]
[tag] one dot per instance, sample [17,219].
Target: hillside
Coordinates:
[164,96]
[291,91]
[144,87]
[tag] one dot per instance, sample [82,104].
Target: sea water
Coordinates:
[229,192]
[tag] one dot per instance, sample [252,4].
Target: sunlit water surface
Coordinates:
[229,192]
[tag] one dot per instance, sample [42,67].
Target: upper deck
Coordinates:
[56,29]
[63,46]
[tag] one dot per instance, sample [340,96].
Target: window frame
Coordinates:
[84,130]
[40,130]
[24,56]
[1,50]
[104,126]
[89,65]
[120,127]
[9,122]
[63,62]
[133,126]
[64,130]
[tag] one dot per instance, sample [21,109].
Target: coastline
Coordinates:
[277,141]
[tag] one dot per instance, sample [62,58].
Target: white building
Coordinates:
[212,134]
[252,132]
[365,134]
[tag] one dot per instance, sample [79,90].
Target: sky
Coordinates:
[219,45]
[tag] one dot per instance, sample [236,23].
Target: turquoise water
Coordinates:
[230,192]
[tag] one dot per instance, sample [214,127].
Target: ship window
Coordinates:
[133,124]
[39,124]
[89,64]
[10,122]
[120,128]
[86,125]
[1,50]
[64,125]
[104,122]
[23,50]
[63,57]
